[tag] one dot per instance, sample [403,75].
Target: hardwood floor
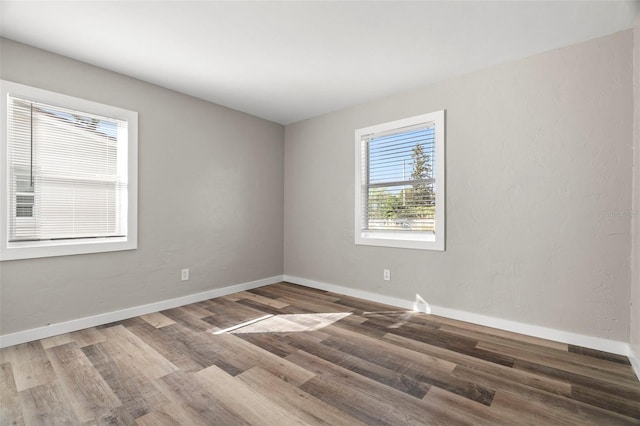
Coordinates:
[284,354]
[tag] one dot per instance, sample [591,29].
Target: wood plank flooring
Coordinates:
[309,357]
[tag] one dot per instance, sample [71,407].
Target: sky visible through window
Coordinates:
[108,128]
[390,156]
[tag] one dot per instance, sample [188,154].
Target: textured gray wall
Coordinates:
[210,199]
[635,259]
[539,153]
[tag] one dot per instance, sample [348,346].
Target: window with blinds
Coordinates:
[400,183]
[67,181]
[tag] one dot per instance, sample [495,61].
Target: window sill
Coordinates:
[32,250]
[409,240]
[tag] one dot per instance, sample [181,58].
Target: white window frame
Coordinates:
[424,240]
[36,249]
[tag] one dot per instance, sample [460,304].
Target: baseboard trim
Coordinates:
[361,294]
[108,317]
[613,346]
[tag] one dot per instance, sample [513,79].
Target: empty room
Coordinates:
[319,212]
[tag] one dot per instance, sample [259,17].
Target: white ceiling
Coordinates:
[287,61]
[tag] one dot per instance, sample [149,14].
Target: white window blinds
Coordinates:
[399,185]
[67,173]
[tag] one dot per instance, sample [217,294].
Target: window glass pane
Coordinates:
[76,167]
[402,156]
[402,208]
[393,159]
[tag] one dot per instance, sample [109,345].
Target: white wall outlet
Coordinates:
[185,274]
[387,274]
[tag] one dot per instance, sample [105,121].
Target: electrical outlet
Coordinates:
[185,274]
[387,275]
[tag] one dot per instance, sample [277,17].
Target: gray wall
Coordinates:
[635,217]
[539,155]
[210,199]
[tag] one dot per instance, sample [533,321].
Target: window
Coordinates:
[400,183]
[68,176]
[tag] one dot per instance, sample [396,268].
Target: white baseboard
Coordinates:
[599,343]
[613,346]
[361,294]
[108,317]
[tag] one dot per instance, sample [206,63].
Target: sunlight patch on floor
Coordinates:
[288,323]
